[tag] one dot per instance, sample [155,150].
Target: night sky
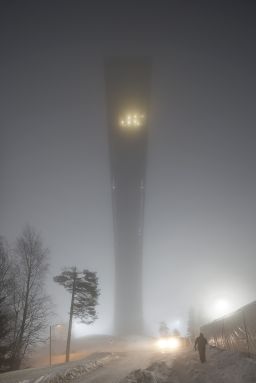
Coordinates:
[200,207]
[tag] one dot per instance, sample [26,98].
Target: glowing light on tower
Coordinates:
[132,121]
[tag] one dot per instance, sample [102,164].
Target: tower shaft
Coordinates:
[127,98]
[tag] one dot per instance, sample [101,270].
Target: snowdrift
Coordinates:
[221,367]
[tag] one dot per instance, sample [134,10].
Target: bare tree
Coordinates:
[83,287]
[5,313]
[29,303]
[4,266]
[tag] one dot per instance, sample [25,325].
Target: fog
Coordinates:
[200,210]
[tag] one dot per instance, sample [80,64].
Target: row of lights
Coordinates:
[132,121]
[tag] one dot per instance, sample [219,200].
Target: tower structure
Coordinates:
[127,98]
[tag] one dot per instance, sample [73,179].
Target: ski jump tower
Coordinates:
[127,98]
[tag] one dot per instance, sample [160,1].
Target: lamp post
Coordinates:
[50,340]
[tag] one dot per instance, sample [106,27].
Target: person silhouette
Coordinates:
[200,344]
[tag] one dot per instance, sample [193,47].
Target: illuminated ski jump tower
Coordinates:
[127,98]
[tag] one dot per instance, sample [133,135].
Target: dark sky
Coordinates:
[200,217]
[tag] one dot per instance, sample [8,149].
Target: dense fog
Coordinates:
[200,210]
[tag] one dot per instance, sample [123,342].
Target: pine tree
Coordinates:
[83,287]
[192,330]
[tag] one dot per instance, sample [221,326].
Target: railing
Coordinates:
[235,332]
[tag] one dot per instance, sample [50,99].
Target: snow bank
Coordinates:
[68,374]
[221,367]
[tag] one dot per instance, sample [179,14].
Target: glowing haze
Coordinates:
[200,210]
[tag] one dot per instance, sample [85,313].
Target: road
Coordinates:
[110,360]
[179,366]
[120,367]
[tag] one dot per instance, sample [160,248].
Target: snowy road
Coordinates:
[182,367]
[120,367]
[145,365]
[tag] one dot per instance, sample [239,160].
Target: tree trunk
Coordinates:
[17,357]
[15,363]
[70,319]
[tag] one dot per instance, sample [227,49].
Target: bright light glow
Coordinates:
[79,329]
[171,343]
[221,307]
[132,120]
[59,325]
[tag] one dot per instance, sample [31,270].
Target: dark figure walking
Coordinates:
[200,344]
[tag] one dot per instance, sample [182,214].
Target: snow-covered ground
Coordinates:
[110,367]
[185,367]
[59,373]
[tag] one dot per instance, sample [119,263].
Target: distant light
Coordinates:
[132,121]
[221,307]
[170,343]
[162,343]
[173,343]
[177,323]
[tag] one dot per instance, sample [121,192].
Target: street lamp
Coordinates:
[221,307]
[58,325]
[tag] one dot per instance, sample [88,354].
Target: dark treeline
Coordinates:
[24,306]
